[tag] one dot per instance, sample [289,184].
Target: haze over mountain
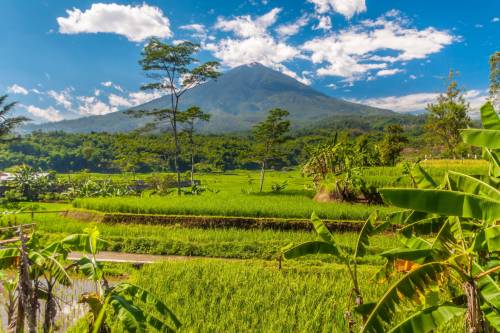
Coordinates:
[237,100]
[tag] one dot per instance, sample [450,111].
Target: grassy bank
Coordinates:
[174,240]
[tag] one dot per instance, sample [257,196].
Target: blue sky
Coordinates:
[67,59]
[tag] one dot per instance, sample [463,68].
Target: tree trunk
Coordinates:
[50,310]
[192,167]
[176,155]
[262,171]
[25,289]
[475,323]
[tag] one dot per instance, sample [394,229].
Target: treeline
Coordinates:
[133,152]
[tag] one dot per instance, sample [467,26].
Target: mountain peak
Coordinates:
[237,100]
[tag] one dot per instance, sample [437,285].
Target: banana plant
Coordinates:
[124,304]
[450,234]
[40,271]
[327,245]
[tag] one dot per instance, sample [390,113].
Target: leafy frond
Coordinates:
[146,297]
[465,183]
[368,230]
[321,229]
[422,178]
[431,318]
[449,203]
[489,117]
[413,283]
[487,138]
[313,247]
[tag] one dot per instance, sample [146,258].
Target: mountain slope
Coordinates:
[236,101]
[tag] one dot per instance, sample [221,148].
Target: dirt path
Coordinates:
[132,258]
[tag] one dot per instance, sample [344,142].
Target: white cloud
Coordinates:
[132,99]
[352,52]
[389,72]
[119,101]
[17,89]
[345,7]
[109,84]
[50,113]
[263,49]
[253,43]
[90,106]
[324,23]
[495,19]
[303,78]
[62,97]
[419,101]
[199,28]
[245,26]
[136,23]
[413,77]
[293,28]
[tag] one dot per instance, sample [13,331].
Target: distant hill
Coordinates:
[236,101]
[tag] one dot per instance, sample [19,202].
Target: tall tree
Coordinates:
[7,124]
[270,134]
[190,117]
[448,116]
[173,70]
[495,80]
[392,144]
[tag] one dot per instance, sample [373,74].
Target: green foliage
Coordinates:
[8,124]
[270,134]
[391,146]
[464,250]
[494,88]
[447,117]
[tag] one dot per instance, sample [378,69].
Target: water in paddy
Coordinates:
[68,311]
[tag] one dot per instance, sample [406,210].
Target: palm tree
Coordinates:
[8,124]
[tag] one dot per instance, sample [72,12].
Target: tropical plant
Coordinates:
[88,188]
[171,69]
[494,89]
[450,242]
[124,305]
[190,118]
[447,117]
[327,245]
[40,269]
[33,184]
[8,124]
[270,134]
[393,143]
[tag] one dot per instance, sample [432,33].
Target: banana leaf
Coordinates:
[431,318]
[449,203]
[481,137]
[465,183]
[422,178]
[413,283]
[489,117]
[314,247]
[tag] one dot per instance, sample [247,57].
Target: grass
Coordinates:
[227,204]
[237,194]
[174,240]
[254,296]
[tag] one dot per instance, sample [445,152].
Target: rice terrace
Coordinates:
[250,166]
